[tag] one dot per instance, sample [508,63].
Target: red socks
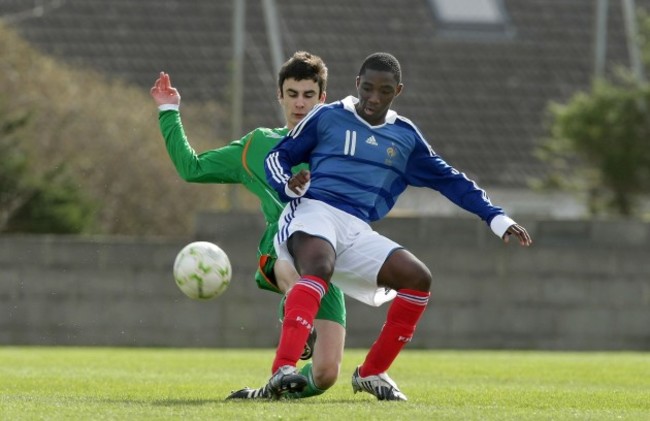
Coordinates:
[301,306]
[402,317]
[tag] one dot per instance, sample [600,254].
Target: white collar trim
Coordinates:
[349,104]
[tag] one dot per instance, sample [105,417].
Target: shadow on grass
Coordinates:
[163,402]
[199,402]
[291,401]
[189,402]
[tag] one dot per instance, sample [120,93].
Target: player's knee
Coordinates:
[418,279]
[402,270]
[423,280]
[321,268]
[416,276]
[312,255]
[325,377]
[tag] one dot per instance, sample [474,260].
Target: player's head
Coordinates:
[382,62]
[378,83]
[302,83]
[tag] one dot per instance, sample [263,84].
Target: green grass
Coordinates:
[190,384]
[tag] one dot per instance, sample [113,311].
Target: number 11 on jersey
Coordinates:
[350,142]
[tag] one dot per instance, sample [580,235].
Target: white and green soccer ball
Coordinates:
[202,270]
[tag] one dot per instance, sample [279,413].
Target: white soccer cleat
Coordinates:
[380,385]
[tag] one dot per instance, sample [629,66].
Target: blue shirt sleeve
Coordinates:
[294,149]
[426,169]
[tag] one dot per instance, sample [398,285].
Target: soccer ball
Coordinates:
[202,270]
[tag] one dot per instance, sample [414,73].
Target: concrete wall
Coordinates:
[583,285]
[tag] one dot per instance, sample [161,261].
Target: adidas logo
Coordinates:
[372,141]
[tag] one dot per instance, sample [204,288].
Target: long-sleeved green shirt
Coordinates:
[239,162]
[242,162]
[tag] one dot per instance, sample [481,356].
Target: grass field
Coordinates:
[190,384]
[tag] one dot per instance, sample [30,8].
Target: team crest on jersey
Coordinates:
[391,151]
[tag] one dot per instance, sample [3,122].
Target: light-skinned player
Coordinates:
[302,83]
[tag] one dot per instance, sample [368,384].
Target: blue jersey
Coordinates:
[362,169]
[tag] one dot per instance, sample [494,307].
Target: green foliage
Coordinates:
[55,205]
[30,201]
[13,166]
[600,142]
[94,142]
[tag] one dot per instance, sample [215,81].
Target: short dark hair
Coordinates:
[384,62]
[303,65]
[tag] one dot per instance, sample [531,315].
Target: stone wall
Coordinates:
[582,286]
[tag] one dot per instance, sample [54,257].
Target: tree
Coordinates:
[55,206]
[600,141]
[94,140]
[14,187]
[32,202]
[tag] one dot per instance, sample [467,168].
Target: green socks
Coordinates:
[309,390]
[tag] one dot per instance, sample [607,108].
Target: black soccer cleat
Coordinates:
[248,393]
[285,380]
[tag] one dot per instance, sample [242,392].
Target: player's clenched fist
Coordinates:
[299,182]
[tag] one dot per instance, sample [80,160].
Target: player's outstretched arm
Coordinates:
[163,92]
[520,233]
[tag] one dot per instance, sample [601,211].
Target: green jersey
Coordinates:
[239,162]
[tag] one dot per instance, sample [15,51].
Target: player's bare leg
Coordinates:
[323,372]
[406,274]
